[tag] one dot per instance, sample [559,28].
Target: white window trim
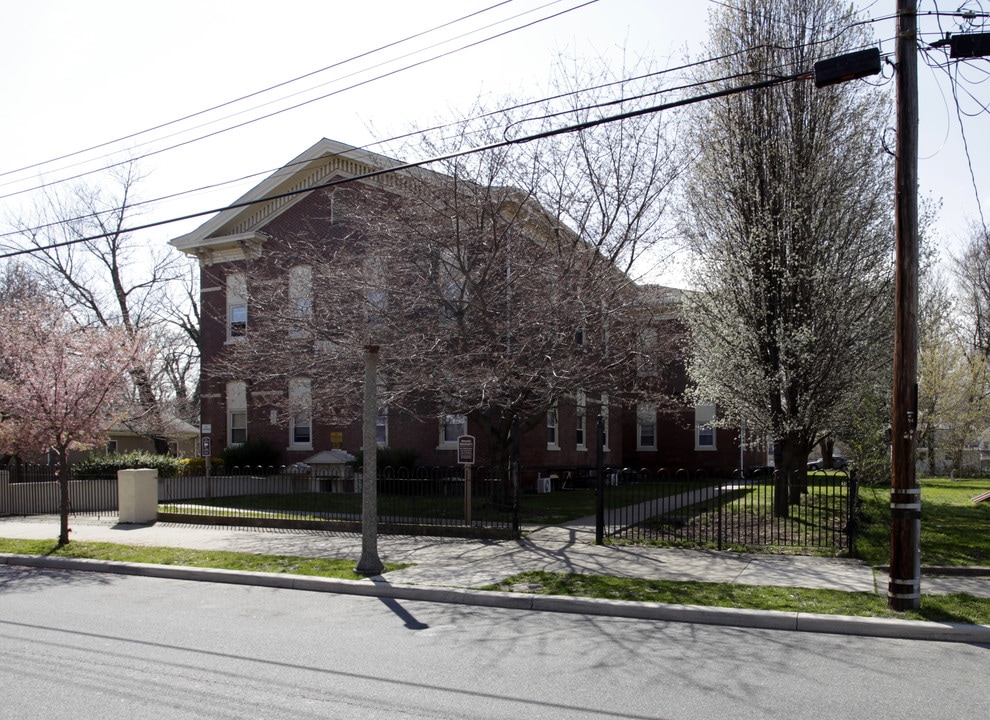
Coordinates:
[230,427]
[300,299]
[704,416]
[293,444]
[236,404]
[381,421]
[445,444]
[646,411]
[646,365]
[300,403]
[236,287]
[553,421]
[231,336]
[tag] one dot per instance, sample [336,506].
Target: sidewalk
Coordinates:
[451,567]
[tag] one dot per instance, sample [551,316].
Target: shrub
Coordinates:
[197,465]
[253,453]
[101,465]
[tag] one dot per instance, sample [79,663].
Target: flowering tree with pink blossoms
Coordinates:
[60,384]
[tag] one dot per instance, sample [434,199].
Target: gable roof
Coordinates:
[235,233]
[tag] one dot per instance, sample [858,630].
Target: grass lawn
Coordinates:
[321,567]
[948,608]
[954,531]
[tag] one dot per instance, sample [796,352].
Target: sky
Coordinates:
[78,75]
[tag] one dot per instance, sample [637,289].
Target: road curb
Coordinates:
[380,587]
[945,570]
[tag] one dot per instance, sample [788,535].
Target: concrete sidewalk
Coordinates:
[450,568]
[460,563]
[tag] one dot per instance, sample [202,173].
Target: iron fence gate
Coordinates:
[716,511]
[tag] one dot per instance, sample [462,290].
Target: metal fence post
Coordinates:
[600,487]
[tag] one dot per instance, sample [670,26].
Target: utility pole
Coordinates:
[370,563]
[904,588]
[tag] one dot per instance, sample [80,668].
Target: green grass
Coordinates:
[954,531]
[948,608]
[320,567]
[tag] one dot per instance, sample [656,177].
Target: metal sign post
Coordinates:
[207,451]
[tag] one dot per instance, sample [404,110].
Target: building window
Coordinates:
[300,298]
[238,427]
[238,321]
[376,291]
[552,420]
[111,447]
[704,428]
[580,427]
[302,430]
[236,306]
[301,410]
[451,428]
[452,286]
[646,426]
[647,363]
[381,428]
[236,413]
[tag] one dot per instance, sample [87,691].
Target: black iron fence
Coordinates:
[433,500]
[726,512]
[689,509]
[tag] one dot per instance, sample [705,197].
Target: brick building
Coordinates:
[244,252]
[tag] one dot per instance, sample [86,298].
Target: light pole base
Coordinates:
[369,565]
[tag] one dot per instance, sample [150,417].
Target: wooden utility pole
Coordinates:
[904,588]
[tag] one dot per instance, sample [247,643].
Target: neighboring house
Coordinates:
[241,248]
[182,439]
[953,457]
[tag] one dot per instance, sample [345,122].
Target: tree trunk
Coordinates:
[499,448]
[781,506]
[62,473]
[827,447]
[791,479]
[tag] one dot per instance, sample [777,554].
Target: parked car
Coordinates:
[838,463]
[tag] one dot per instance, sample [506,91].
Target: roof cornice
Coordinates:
[311,168]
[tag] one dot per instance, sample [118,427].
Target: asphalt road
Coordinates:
[89,645]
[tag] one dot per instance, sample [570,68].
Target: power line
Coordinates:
[306,102]
[461,122]
[464,121]
[420,163]
[256,93]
